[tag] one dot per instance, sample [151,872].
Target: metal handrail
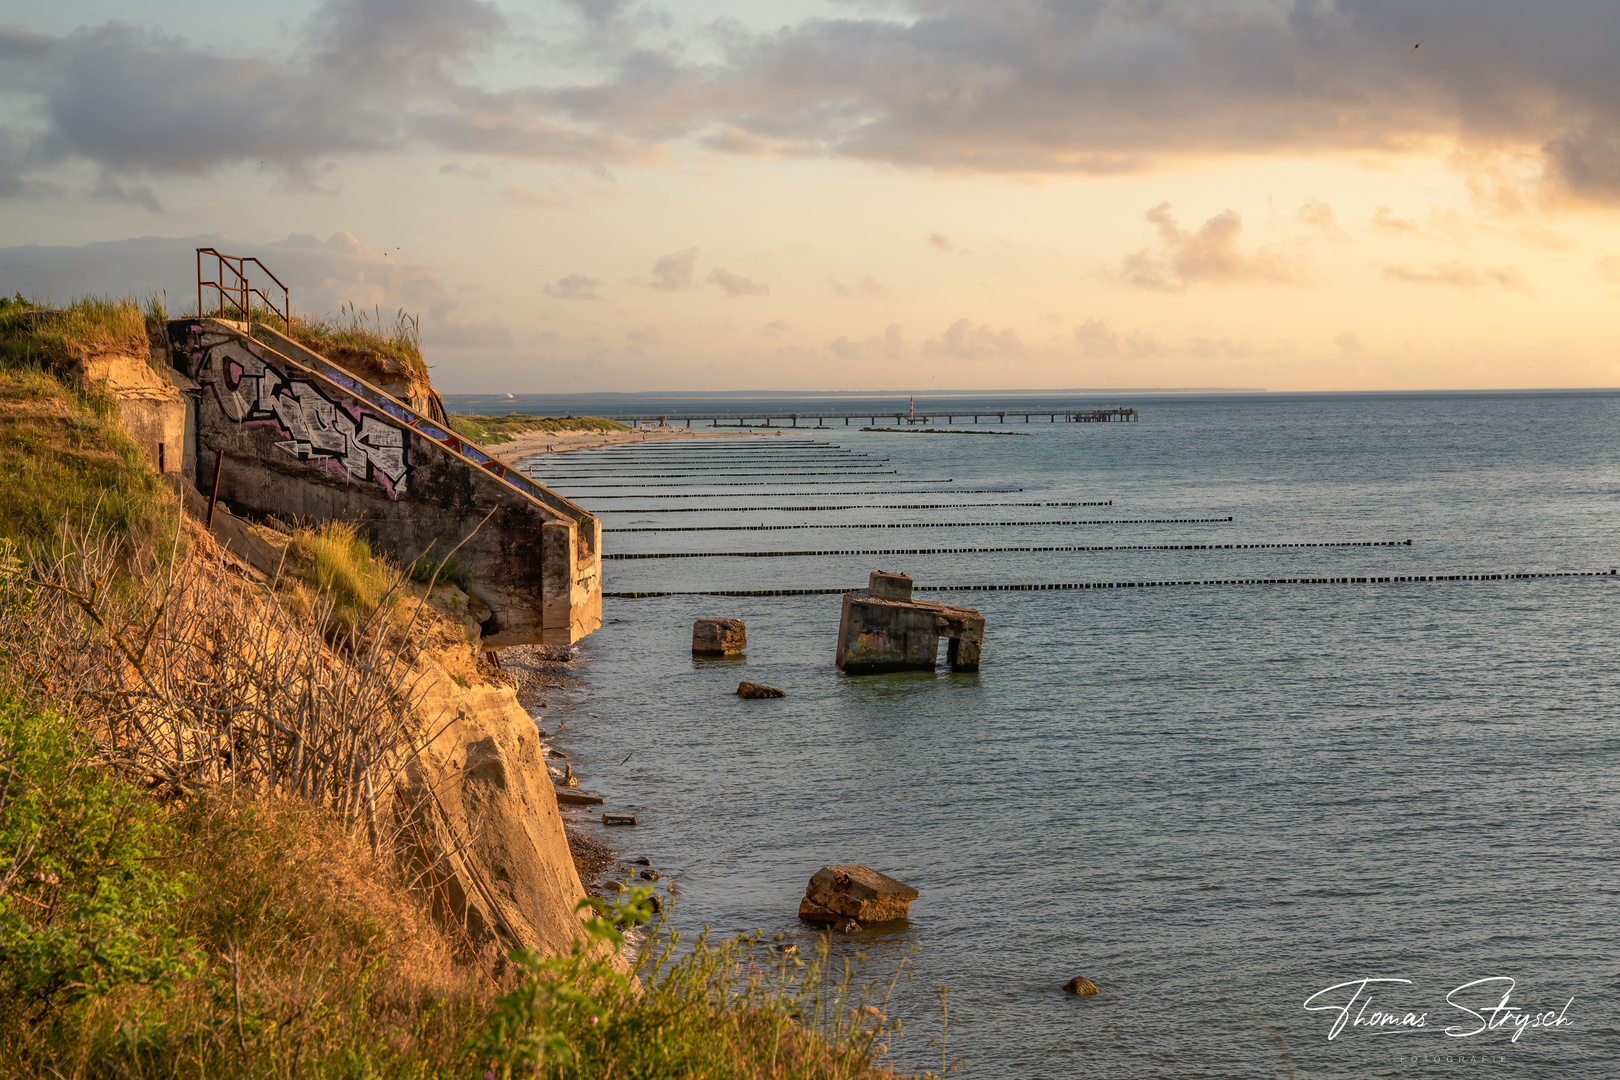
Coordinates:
[241,291]
[428,428]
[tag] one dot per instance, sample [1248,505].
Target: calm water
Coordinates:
[1213,802]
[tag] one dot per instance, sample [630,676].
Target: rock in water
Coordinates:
[754,690]
[1081,986]
[718,637]
[839,893]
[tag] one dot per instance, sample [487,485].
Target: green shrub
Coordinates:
[451,570]
[715,1011]
[83,907]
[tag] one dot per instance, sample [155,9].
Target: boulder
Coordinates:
[837,894]
[755,690]
[1082,987]
[718,637]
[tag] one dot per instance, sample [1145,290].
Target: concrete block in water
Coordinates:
[883,629]
[837,893]
[718,637]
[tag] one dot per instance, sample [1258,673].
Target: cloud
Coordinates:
[1106,86]
[1350,343]
[865,288]
[1585,162]
[890,345]
[372,76]
[1210,254]
[962,340]
[644,337]
[1609,267]
[1095,340]
[1385,221]
[525,197]
[941,242]
[735,285]
[1459,275]
[1319,216]
[675,272]
[322,276]
[1023,86]
[110,187]
[775,328]
[573,287]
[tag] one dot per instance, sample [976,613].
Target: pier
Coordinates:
[1123,414]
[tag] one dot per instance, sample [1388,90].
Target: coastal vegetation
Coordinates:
[494,430]
[363,341]
[200,870]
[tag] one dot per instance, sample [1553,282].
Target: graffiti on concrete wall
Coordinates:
[343,435]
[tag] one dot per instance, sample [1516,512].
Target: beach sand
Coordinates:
[536,443]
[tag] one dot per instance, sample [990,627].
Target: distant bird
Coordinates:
[1417,46]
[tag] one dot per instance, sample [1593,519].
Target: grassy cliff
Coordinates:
[196,878]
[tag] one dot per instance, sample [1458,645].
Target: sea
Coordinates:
[1290,826]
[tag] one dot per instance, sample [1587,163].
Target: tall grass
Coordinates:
[31,333]
[338,568]
[355,336]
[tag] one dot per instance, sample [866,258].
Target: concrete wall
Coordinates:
[151,407]
[300,439]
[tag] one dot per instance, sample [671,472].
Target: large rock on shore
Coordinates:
[718,637]
[839,893]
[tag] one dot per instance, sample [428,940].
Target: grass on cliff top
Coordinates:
[34,335]
[494,430]
[362,341]
[63,452]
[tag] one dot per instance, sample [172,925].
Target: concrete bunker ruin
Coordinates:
[884,629]
[283,432]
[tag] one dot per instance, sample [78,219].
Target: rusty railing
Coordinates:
[237,289]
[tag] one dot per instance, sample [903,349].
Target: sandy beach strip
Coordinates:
[539,443]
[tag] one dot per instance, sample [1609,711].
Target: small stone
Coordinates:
[718,637]
[755,690]
[643,861]
[657,903]
[1082,987]
[648,875]
[849,926]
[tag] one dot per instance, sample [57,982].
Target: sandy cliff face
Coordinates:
[482,827]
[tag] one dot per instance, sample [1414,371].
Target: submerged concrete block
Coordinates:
[718,637]
[883,629]
[837,893]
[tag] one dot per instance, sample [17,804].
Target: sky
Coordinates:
[912,196]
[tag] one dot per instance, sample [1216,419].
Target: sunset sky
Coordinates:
[794,195]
